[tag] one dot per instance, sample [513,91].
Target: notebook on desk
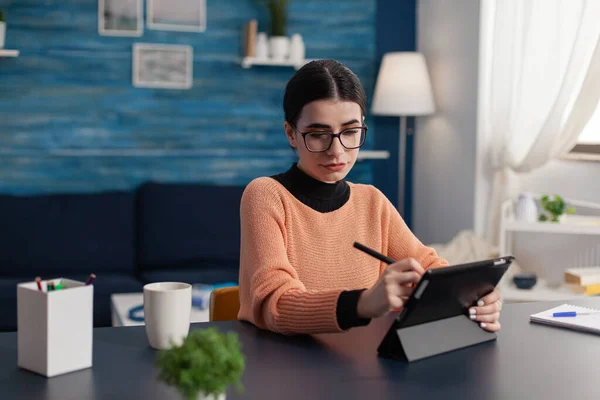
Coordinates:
[587,319]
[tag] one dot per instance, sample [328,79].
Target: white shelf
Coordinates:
[540,292]
[9,53]
[373,155]
[572,225]
[552,227]
[248,62]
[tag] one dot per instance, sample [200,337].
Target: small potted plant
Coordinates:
[555,209]
[204,366]
[279,43]
[2,29]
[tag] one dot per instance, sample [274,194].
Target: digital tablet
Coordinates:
[450,291]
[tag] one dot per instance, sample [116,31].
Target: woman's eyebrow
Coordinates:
[325,126]
[318,125]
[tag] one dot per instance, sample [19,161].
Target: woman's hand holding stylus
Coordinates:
[392,289]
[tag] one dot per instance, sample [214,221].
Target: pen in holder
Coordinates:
[55,328]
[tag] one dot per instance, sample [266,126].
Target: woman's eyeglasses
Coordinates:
[319,141]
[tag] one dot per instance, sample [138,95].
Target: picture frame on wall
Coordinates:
[176,15]
[120,17]
[162,66]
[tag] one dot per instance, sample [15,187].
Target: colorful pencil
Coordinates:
[91,279]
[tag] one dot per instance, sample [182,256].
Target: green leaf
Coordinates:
[543,218]
[208,361]
[571,210]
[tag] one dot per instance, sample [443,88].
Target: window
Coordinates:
[588,144]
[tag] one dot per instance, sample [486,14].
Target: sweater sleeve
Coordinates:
[271,294]
[402,243]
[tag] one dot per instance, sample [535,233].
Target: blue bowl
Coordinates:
[525,280]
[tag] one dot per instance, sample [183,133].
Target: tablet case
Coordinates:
[435,319]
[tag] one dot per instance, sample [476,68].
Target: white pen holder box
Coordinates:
[55,328]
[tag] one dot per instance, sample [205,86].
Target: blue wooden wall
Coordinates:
[396,30]
[70,119]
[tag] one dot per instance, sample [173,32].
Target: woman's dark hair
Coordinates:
[319,80]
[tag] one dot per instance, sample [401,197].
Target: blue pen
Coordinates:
[570,314]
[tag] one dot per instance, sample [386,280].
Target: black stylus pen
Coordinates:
[373,253]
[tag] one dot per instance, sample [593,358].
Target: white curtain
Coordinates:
[541,84]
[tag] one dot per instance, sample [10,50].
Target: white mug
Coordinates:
[167,310]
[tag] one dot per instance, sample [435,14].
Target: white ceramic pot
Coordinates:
[261,48]
[526,209]
[296,49]
[279,48]
[202,396]
[2,34]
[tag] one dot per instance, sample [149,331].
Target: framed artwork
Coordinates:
[162,66]
[176,15]
[120,17]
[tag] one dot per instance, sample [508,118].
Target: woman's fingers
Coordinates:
[394,278]
[490,298]
[409,264]
[486,317]
[491,327]
[397,289]
[487,309]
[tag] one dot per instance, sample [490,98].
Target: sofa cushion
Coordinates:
[188,225]
[104,286]
[207,274]
[48,234]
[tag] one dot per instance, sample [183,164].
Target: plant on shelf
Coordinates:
[279,43]
[2,29]
[204,366]
[277,14]
[554,209]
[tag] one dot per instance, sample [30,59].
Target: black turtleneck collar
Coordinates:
[320,196]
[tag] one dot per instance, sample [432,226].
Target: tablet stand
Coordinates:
[432,338]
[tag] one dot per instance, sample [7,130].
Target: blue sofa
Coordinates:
[157,232]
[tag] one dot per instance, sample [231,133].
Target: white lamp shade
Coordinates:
[403,86]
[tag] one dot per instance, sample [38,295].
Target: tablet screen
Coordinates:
[450,291]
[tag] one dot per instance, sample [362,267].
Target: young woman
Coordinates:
[299,271]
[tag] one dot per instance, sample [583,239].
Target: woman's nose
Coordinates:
[336,147]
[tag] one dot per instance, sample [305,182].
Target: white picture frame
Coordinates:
[162,66]
[121,18]
[176,15]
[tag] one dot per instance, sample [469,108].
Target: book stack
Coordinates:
[249,38]
[584,280]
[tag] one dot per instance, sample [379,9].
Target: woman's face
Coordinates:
[332,116]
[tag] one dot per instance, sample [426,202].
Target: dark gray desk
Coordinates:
[528,361]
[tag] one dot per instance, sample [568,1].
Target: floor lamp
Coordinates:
[403,89]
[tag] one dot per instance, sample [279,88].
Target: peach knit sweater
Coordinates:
[295,261]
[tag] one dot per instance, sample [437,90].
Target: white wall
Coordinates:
[578,180]
[445,144]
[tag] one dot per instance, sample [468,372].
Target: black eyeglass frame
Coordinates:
[333,136]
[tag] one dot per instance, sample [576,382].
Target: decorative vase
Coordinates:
[279,48]
[526,209]
[2,33]
[297,49]
[202,396]
[261,48]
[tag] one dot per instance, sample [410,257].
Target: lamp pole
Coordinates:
[402,164]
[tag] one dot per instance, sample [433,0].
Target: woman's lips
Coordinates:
[335,167]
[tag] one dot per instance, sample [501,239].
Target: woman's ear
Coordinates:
[290,134]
